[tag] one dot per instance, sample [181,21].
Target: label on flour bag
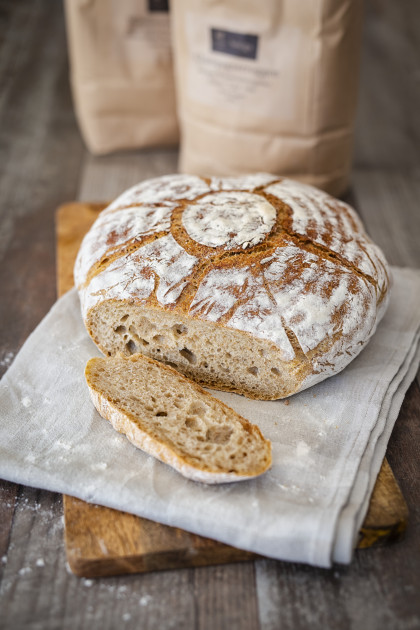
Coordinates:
[233,69]
[237,44]
[158,6]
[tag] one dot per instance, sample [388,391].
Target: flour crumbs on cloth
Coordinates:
[327,443]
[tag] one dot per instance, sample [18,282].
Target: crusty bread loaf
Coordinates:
[174,419]
[255,284]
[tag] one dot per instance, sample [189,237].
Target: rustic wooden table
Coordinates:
[42,164]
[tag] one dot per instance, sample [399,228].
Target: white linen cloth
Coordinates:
[328,441]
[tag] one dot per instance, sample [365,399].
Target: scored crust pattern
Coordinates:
[268,256]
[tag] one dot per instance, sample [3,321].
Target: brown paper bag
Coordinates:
[121,73]
[268,86]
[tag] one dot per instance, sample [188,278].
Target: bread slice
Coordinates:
[170,417]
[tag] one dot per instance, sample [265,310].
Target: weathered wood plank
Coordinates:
[387,125]
[226,597]
[37,591]
[388,203]
[107,177]
[40,156]
[8,494]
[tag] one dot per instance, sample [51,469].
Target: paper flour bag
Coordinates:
[121,73]
[268,86]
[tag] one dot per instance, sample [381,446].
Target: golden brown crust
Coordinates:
[302,244]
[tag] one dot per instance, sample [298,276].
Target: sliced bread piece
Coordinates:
[170,417]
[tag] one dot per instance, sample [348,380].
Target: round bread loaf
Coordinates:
[255,284]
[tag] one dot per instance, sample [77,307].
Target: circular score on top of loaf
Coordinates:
[255,284]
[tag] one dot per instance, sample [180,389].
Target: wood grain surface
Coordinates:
[43,164]
[102,542]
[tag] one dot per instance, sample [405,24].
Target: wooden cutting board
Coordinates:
[102,542]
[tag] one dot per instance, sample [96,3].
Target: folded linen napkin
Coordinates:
[328,442]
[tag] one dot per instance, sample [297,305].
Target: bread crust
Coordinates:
[264,257]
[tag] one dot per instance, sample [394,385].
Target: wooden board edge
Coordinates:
[67,228]
[195,551]
[387,516]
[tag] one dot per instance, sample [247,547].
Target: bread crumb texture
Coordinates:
[175,420]
[255,284]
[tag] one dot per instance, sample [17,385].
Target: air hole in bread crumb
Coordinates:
[124,318]
[161,413]
[275,371]
[144,342]
[120,329]
[187,354]
[180,329]
[191,423]
[219,435]
[131,346]
[172,365]
[253,370]
[159,339]
[197,409]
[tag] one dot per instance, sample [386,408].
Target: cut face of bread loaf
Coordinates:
[255,284]
[175,420]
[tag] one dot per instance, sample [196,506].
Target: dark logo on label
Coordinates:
[237,44]
[159,5]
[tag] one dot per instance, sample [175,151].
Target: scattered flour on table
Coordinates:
[143,601]
[40,562]
[7,359]
[26,401]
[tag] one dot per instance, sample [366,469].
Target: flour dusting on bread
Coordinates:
[229,219]
[274,283]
